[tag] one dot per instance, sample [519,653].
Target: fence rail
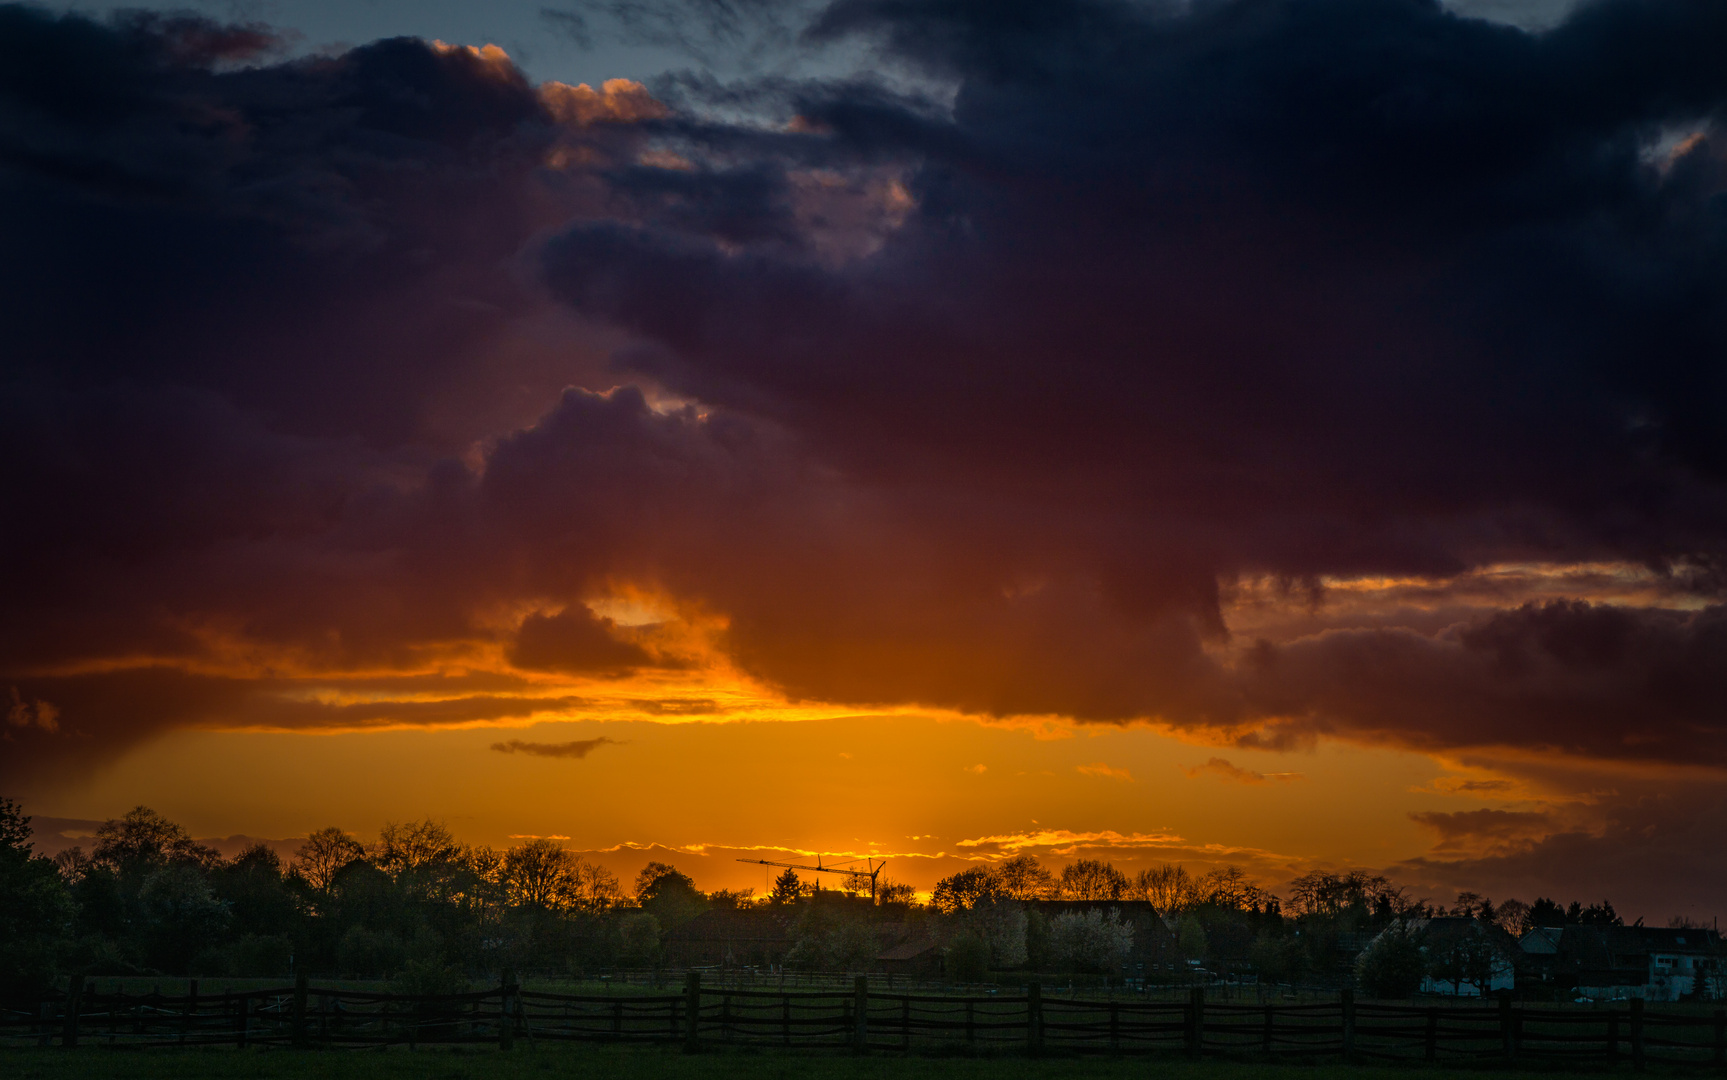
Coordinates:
[867,1019]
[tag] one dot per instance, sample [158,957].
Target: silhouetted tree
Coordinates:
[787,888]
[325,852]
[35,909]
[423,858]
[895,894]
[1355,893]
[1092,879]
[1229,888]
[1601,914]
[1543,912]
[179,915]
[1169,888]
[668,894]
[1511,916]
[540,874]
[966,889]
[1393,964]
[1024,878]
[254,889]
[143,841]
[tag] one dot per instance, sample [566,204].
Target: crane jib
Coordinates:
[872,869]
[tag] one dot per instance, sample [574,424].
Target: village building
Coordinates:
[732,937]
[917,956]
[1464,957]
[1154,945]
[1613,963]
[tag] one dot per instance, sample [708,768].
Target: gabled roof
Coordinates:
[907,950]
[1543,940]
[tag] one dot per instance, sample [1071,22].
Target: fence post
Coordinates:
[1637,1033]
[245,1020]
[1431,1050]
[1508,1029]
[1346,1000]
[970,1022]
[860,1012]
[1034,1018]
[1721,1036]
[692,1011]
[1196,1023]
[507,1011]
[300,1010]
[1268,1028]
[191,1016]
[74,998]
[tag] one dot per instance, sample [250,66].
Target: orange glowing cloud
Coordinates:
[617,101]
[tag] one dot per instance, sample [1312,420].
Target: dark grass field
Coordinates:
[652,1063]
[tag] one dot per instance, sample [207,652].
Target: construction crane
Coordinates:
[852,872]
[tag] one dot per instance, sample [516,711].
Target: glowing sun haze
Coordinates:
[1280,433]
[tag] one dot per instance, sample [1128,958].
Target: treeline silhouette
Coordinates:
[417,907]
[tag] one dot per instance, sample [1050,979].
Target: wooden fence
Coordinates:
[866,1019]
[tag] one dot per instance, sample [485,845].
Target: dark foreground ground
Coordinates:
[625,1063]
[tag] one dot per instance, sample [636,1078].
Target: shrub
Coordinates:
[967,958]
[370,954]
[1002,925]
[638,940]
[429,977]
[1090,941]
[1393,965]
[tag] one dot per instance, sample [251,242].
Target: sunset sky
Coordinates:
[1281,433]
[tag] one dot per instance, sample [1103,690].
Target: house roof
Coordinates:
[1543,940]
[1444,929]
[1606,947]
[907,950]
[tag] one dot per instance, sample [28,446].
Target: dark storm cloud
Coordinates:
[574,640]
[278,235]
[991,392]
[1462,828]
[1350,287]
[1569,677]
[239,299]
[99,715]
